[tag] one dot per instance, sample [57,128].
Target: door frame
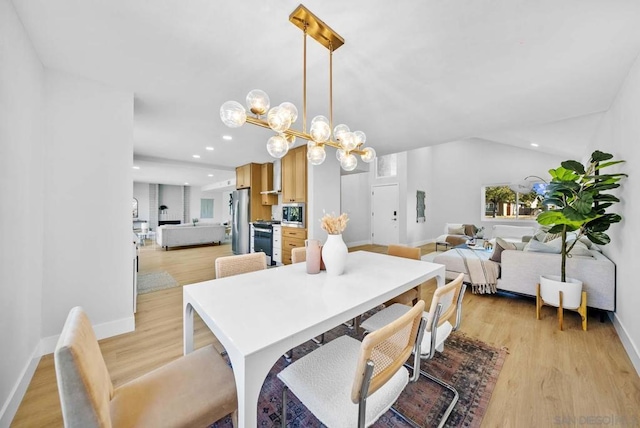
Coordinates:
[373,188]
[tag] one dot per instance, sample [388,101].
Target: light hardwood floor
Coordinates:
[550,377]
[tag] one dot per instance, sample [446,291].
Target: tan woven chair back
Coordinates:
[299,255]
[388,348]
[448,297]
[243,263]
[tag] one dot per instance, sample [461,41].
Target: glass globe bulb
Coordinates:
[233,114]
[360,137]
[348,141]
[316,155]
[369,154]
[311,144]
[277,146]
[291,109]
[258,102]
[339,131]
[279,119]
[340,154]
[291,139]
[349,162]
[320,129]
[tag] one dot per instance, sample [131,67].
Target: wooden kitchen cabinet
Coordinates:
[266,184]
[250,177]
[243,176]
[294,175]
[291,238]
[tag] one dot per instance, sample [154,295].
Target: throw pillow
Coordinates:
[453,230]
[499,247]
[540,247]
[580,249]
[469,229]
[520,245]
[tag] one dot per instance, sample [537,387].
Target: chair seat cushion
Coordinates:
[395,311]
[192,391]
[323,379]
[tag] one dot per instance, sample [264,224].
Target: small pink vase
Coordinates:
[313,255]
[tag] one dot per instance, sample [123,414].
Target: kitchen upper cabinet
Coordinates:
[267,185]
[294,175]
[243,176]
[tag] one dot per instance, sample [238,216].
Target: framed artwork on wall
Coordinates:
[386,166]
[420,206]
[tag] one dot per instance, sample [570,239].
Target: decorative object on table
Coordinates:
[334,251]
[577,199]
[313,250]
[480,232]
[420,206]
[195,221]
[280,118]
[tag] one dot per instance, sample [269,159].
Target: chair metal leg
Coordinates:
[456,396]
[405,418]
[284,407]
[318,341]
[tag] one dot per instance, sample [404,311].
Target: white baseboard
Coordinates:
[627,342]
[358,243]
[104,330]
[10,407]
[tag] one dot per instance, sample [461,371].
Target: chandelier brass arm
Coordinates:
[280,118]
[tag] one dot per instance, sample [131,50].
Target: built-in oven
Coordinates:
[293,214]
[263,239]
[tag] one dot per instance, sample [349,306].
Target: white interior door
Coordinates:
[384,215]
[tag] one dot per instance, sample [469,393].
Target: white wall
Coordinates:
[419,165]
[88,192]
[21,190]
[220,205]
[141,193]
[323,194]
[172,197]
[619,135]
[458,171]
[355,191]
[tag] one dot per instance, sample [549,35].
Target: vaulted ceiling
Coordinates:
[411,73]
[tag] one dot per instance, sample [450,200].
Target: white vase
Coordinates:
[550,285]
[334,255]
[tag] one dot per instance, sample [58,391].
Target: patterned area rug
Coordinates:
[154,281]
[468,364]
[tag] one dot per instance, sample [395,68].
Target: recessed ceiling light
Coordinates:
[209,148]
[136,167]
[227,137]
[534,145]
[186,184]
[210,175]
[196,156]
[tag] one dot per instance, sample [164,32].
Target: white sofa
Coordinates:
[187,234]
[521,270]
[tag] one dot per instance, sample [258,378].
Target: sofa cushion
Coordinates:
[552,246]
[500,246]
[456,230]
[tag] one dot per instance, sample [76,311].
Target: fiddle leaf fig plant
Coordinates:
[577,202]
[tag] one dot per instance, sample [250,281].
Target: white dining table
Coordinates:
[261,315]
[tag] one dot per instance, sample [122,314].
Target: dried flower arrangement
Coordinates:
[334,225]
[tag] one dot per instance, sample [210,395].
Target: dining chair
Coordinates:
[298,255]
[194,390]
[348,383]
[444,317]
[409,297]
[242,263]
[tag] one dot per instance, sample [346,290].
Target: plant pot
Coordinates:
[550,285]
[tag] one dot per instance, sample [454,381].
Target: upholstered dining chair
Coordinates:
[298,255]
[409,297]
[444,317]
[195,390]
[348,383]
[243,263]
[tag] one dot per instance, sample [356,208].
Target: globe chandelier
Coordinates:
[280,118]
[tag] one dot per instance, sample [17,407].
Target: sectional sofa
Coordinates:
[187,234]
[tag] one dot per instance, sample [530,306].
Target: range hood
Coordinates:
[277,179]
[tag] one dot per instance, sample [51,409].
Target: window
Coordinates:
[206,208]
[502,203]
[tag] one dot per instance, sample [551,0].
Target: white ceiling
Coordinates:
[411,73]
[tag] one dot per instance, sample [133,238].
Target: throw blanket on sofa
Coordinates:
[483,273]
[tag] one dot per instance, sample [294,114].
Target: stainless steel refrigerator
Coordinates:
[240,215]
